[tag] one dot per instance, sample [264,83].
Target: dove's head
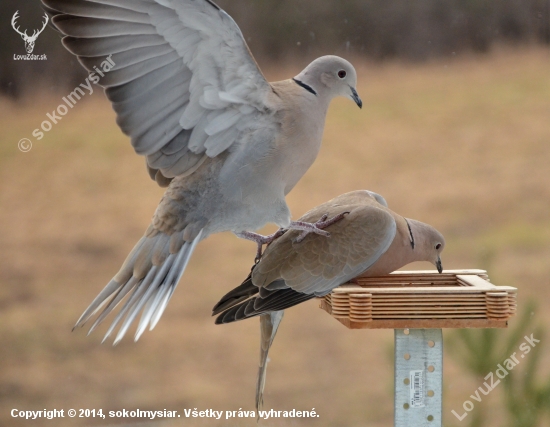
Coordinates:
[331,76]
[427,243]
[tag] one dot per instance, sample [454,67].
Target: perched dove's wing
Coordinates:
[237,295]
[316,265]
[290,273]
[184,84]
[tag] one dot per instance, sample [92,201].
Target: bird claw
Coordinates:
[261,240]
[316,227]
[305,233]
[306,227]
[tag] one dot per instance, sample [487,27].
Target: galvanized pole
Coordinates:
[418,377]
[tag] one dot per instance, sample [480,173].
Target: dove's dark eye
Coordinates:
[341,74]
[437,246]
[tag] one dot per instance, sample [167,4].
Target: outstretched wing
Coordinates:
[184,84]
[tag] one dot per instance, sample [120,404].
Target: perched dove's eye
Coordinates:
[341,74]
[437,246]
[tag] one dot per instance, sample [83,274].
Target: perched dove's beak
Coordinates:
[356,98]
[438,265]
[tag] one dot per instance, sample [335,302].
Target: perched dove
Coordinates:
[371,240]
[228,144]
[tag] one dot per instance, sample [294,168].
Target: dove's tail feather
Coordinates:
[237,295]
[276,300]
[148,278]
[269,323]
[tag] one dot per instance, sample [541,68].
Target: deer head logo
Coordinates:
[29,40]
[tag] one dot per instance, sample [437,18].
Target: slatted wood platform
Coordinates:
[422,299]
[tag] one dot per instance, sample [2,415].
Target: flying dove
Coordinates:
[228,144]
[370,240]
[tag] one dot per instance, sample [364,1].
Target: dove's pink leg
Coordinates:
[306,227]
[316,227]
[260,240]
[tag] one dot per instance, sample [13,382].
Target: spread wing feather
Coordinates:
[184,84]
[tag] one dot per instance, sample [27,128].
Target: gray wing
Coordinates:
[241,293]
[184,84]
[290,273]
[232,307]
[319,264]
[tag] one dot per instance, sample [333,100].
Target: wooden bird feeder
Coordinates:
[417,305]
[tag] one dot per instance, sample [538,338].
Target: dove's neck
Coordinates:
[305,86]
[401,251]
[302,120]
[423,237]
[310,81]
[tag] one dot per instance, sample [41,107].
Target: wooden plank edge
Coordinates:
[425,324]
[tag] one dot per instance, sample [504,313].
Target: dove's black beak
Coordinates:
[356,98]
[438,265]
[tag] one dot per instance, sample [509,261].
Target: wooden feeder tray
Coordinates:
[422,299]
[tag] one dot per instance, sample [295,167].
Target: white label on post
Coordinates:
[416,389]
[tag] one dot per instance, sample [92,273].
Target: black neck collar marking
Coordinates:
[410,233]
[306,87]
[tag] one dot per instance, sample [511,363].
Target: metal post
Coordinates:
[418,377]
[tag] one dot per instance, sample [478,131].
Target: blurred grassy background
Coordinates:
[460,142]
[295,29]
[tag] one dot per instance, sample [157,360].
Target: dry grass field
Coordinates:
[462,143]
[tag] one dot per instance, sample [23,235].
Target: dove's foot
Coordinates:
[260,240]
[317,227]
[306,227]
